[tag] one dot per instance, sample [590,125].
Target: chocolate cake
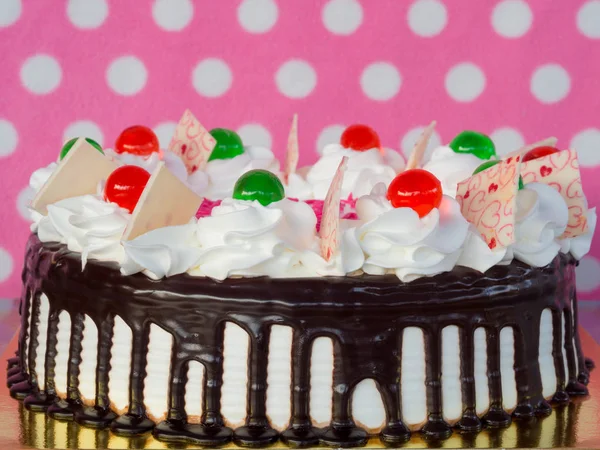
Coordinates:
[234,327]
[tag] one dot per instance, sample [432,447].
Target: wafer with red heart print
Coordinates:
[420,147]
[488,201]
[292,153]
[330,220]
[166,201]
[192,142]
[561,171]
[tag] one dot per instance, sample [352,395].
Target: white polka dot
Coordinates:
[41,74]
[587,274]
[23,200]
[165,131]
[380,81]
[126,75]
[255,134]
[410,139]
[588,19]
[507,140]
[296,78]
[329,135]
[87,13]
[342,16]
[6,265]
[427,18]
[172,15]
[212,77]
[512,18]
[257,16]
[8,138]
[587,144]
[465,82]
[550,83]
[84,128]
[10,11]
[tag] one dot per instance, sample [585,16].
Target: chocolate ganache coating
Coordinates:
[364,316]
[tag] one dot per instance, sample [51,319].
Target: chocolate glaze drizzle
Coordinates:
[364,316]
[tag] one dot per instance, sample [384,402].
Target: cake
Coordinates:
[362,296]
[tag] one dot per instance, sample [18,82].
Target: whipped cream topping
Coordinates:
[396,240]
[163,252]
[86,224]
[243,238]
[451,168]
[541,217]
[365,169]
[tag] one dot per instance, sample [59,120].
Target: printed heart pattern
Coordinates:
[561,171]
[488,201]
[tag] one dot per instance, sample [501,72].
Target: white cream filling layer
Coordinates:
[546,360]
[120,365]
[414,395]
[321,381]
[158,369]
[279,377]
[89,359]
[235,375]
[482,387]
[193,391]
[63,338]
[42,328]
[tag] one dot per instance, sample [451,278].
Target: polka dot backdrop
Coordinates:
[517,70]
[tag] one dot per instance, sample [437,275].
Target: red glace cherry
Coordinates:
[360,138]
[137,140]
[417,189]
[538,152]
[125,185]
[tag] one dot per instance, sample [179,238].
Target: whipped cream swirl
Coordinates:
[541,217]
[451,168]
[86,224]
[396,240]
[163,252]
[365,169]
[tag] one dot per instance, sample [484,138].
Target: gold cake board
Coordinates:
[576,425]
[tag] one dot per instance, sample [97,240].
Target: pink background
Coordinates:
[517,70]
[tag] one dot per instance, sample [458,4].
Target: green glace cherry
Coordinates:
[493,162]
[475,143]
[229,144]
[260,185]
[69,144]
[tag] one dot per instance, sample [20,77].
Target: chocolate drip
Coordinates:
[77,326]
[257,431]
[584,374]
[33,339]
[527,368]
[301,433]
[469,422]
[51,352]
[436,427]
[496,416]
[574,387]
[100,415]
[560,396]
[135,421]
[105,334]
[365,316]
